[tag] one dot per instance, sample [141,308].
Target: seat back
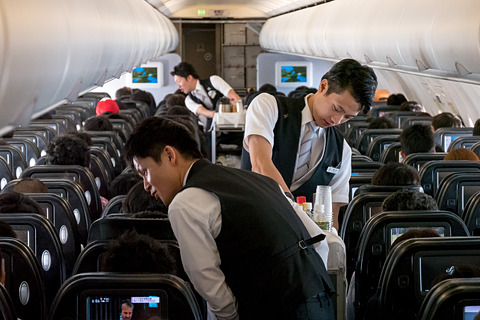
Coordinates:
[368,167]
[101,175]
[444,136]
[410,121]
[416,160]
[23,280]
[391,153]
[36,136]
[73,194]
[398,116]
[358,211]
[379,144]
[67,121]
[104,157]
[368,188]
[354,132]
[471,214]
[5,173]
[452,299]
[56,124]
[15,159]
[7,308]
[350,123]
[75,173]
[28,148]
[40,236]
[60,213]
[381,109]
[368,135]
[413,266]
[114,225]
[359,180]
[114,205]
[433,172]
[377,237]
[455,190]
[115,156]
[47,132]
[463,142]
[112,136]
[163,295]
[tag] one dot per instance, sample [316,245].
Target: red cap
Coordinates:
[301,199]
[107,105]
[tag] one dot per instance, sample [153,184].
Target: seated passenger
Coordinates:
[138,199]
[409,200]
[461,154]
[68,149]
[476,128]
[396,99]
[124,92]
[417,138]
[106,105]
[123,183]
[381,123]
[446,120]
[30,185]
[413,106]
[396,174]
[175,100]
[381,95]
[14,202]
[98,123]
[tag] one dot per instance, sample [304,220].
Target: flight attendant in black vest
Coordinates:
[294,140]
[202,95]
[248,250]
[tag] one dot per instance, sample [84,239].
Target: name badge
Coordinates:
[334,170]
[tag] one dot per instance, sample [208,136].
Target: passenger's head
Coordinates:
[6,230]
[178,111]
[476,128]
[175,100]
[267,87]
[84,136]
[14,202]
[68,150]
[417,138]
[350,76]
[381,95]
[411,106]
[185,76]
[123,183]
[138,200]
[140,253]
[409,200]
[381,123]
[396,174]
[98,123]
[159,149]
[461,154]
[123,92]
[126,312]
[416,233]
[396,99]
[106,105]
[446,120]
[30,185]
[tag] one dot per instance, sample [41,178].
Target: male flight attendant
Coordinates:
[294,141]
[247,249]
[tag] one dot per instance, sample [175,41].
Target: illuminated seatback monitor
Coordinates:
[293,74]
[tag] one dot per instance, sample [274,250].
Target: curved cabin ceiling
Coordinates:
[237,9]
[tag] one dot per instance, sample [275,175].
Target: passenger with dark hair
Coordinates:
[202,95]
[147,97]
[413,106]
[396,99]
[138,199]
[30,185]
[276,126]
[126,312]
[68,149]
[178,111]
[175,100]
[381,123]
[124,92]
[409,200]
[267,87]
[15,202]
[417,138]
[461,154]
[396,174]
[98,123]
[123,183]
[227,224]
[84,136]
[446,120]
[476,128]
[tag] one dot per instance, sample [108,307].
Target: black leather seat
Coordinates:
[379,144]
[444,136]
[433,172]
[377,237]
[115,157]
[5,173]
[166,296]
[416,160]
[114,205]
[363,166]
[23,280]
[42,239]
[358,180]
[7,308]
[56,124]
[455,190]
[354,132]
[471,214]
[391,153]
[14,158]
[452,299]
[28,148]
[463,142]
[410,121]
[368,135]
[381,109]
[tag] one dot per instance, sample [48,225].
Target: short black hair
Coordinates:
[184,69]
[175,100]
[446,120]
[381,123]
[15,202]
[360,81]
[409,200]
[123,183]
[396,99]
[98,123]
[123,92]
[127,302]
[68,150]
[413,106]
[267,87]
[152,135]
[30,185]
[476,128]
[417,138]
[138,200]
[6,230]
[396,174]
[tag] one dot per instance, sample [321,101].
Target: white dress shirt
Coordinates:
[195,215]
[262,115]
[200,93]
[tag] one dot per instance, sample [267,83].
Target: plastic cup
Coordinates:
[322,210]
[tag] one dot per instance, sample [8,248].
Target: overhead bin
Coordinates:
[52,50]
[414,35]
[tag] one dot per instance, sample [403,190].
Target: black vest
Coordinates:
[264,266]
[212,93]
[286,139]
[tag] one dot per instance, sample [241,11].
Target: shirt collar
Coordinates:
[306,114]
[187,173]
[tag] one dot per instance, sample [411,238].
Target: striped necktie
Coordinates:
[304,154]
